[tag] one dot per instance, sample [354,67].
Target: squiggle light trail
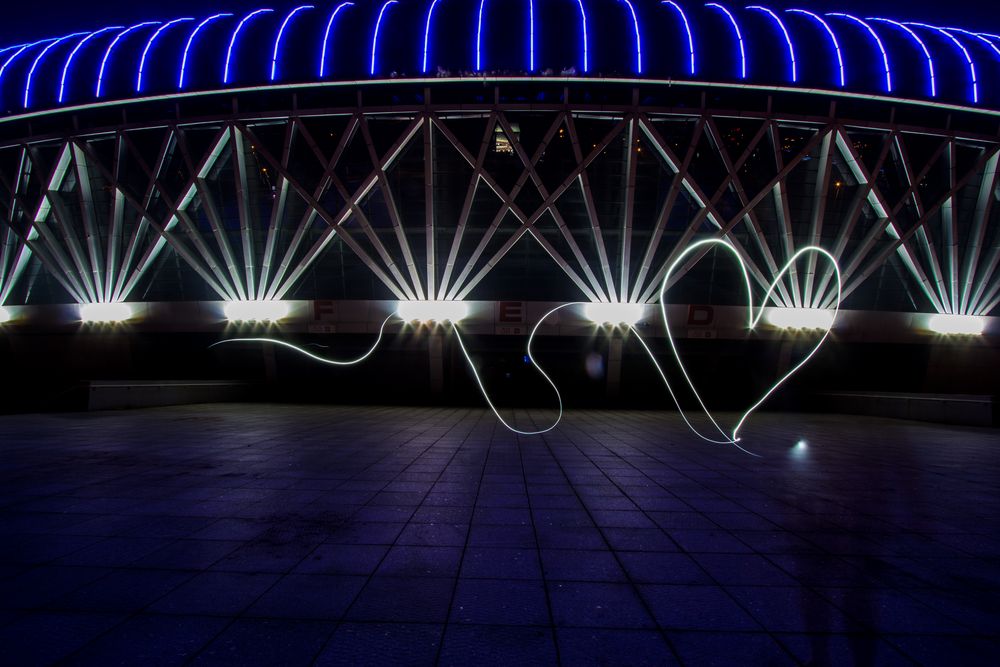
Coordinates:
[531,358]
[322,360]
[752,320]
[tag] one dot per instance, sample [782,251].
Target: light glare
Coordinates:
[105,312]
[800,318]
[4,315]
[256,311]
[614,313]
[432,311]
[956,325]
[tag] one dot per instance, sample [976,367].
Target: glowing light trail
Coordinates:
[307,353]
[19,51]
[784,31]
[232,40]
[687,29]
[111,47]
[878,42]
[277,39]
[38,60]
[965,52]
[739,36]
[531,358]
[427,32]
[752,320]
[927,54]
[833,40]
[149,45]
[378,24]
[583,25]
[190,41]
[72,55]
[638,39]
[326,36]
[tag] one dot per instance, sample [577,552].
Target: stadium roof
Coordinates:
[654,39]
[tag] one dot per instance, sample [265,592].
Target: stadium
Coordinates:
[457,332]
[332,161]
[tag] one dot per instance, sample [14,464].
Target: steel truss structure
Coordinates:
[433,198]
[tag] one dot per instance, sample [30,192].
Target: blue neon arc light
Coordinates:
[531,35]
[111,47]
[427,32]
[978,36]
[18,52]
[235,35]
[190,43]
[739,36]
[784,31]
[326,36]
[38,60]
[72,55]
[149,45]
[919,42]
[638,38]
[479,37]
[878,43]
[281,32]
[378,24]
[583,27]
[687,29]
[833,40]
[964,51]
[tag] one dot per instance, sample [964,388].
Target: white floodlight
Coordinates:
[801,318]
[5,315]
[960,325]
[105,313]
[432,311]
[626,314]
[256,311]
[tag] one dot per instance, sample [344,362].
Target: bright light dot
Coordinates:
[105,312]
[4,315]
[964,325]
[801,444]
[255,311]
[432,311]
[614,313]
[800,318]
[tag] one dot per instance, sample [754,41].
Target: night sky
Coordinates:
[31,20]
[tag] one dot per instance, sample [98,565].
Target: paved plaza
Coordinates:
[275,534]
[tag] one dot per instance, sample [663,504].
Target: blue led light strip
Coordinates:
[638,37]
[479,37]
[111,47]
[687,29]
[38,60]
[965,52]
[326,36]
[784,31]
[281,33]
[739,36]
[919,42]
[833,40]
[427,32]
[149,45]
[72,55]
[378,24]
[878,43]
[190,42]
[232,40]
[583,27]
